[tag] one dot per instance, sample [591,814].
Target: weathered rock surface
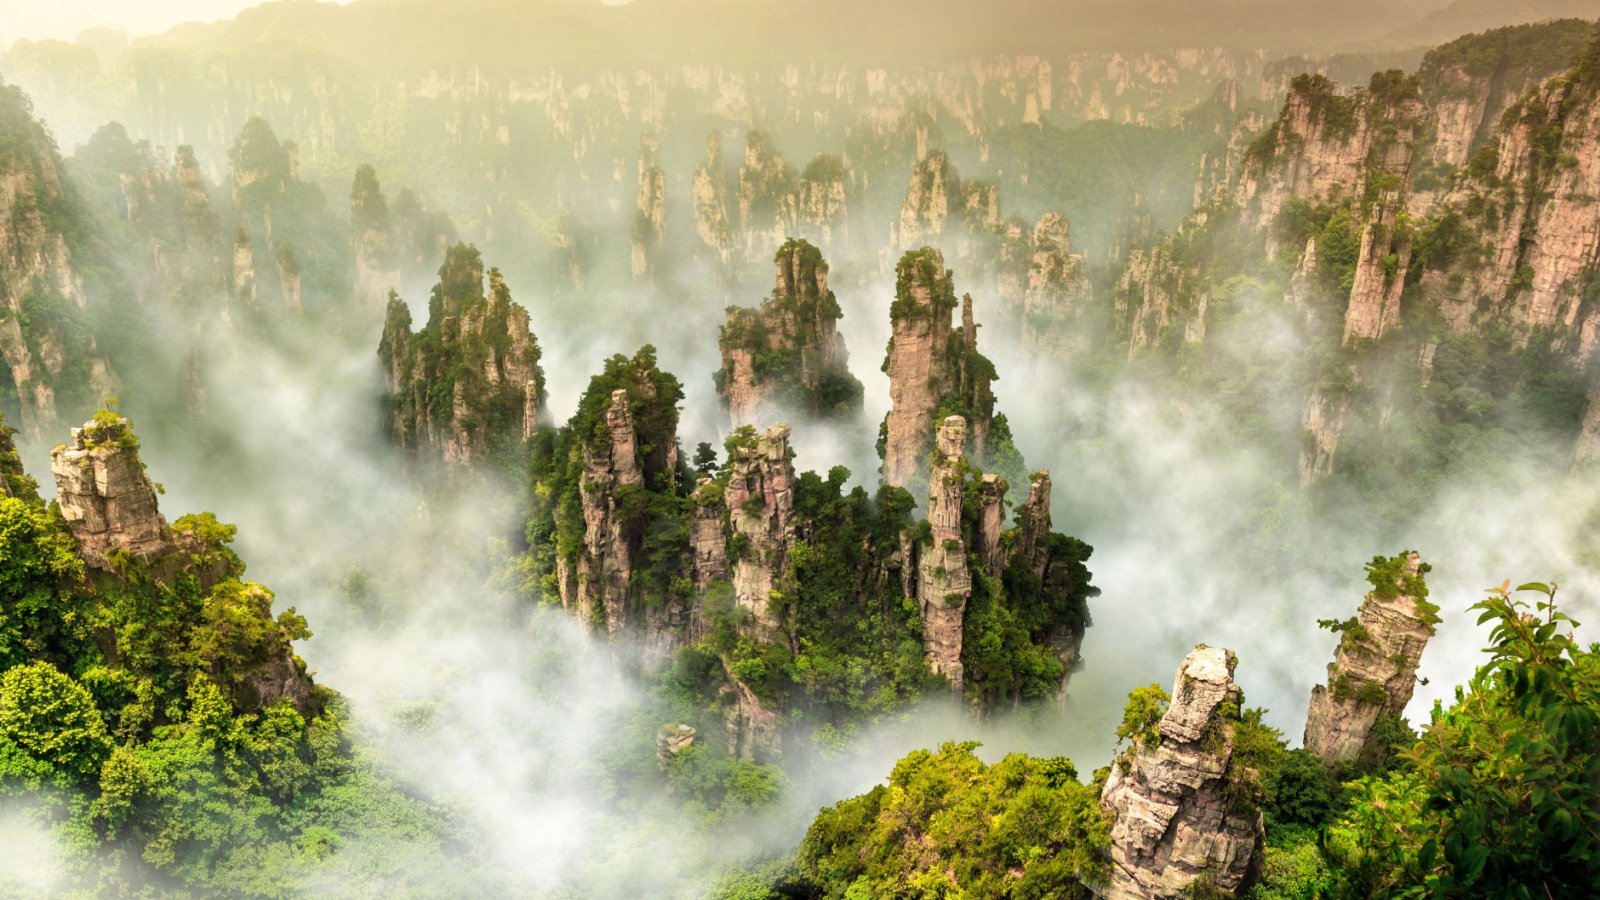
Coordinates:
[710,194]
[475,350]
[1174,822]
[943,582]
[760,498]
[650,217]
[787,355]
[768,195]
[672,740]
[1374,670]
[930,363]
[605,567]
[42,302]
[372,234]
[108,501]
[937,197]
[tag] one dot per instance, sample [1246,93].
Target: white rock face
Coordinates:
[1174,822]
[106,497]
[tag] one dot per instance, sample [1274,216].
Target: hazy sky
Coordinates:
[63,19]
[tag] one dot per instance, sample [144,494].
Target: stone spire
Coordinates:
[1374,670]
[943,582]
[106,497]
[1174,819]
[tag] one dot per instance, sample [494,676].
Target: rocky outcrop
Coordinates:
[822,207]
[477,352]
[930,364]
[1176,826]
[707,540]
[650,216]
[1162,299]
[787,356]
[937,198]
[711,203]
[943,583]
[107,500]
[1587,448]
[1374,670]
[374,240]
[1531,201]
[1326,416]
[671,740]
[1057,294]
[605,567]
[44,341]
[752,729]
[760,498]
[768,194]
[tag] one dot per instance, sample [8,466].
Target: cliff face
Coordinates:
[468,385]
[760,497]
[1056,294]
[650,217]
[943,583]
[1529,198]
[787,355]
[43,340]
[768,194]
[1174,823]
[931,366]
[605,568]
[938,198]
[1374,670]
[822,205]
[375,243]
[711,203]
[106,497]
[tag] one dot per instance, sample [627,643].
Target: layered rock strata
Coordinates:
[1175,827]
[787,355]
[1374,670]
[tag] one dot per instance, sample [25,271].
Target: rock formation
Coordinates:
[605,568]
[760,498]
[51,355]
[943,583]
[938,196]
[372,233]
[650,217]
[1176,826]
[711,203]
[1057,293]
[707,541]
[822,207]
[768,194]
[671,740]
[1587,448]
[106,498]
[468,385]
[1374,670]
[931,366]
[787,355]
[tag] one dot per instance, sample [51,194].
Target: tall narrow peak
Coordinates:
[1374,670]
[711,202]
[469,385]
[944,584]
[932,367]
[650,215]
[760,499]
[106,497]
[372,234]
[787,356]
[768,192]
[1175,823]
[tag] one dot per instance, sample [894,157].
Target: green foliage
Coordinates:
[1497,798]
[1141,717]
[48,724]
[949,825]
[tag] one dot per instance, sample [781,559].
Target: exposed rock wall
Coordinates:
[42,303]
[1374,670]
[787,356]
[930,364]
[768,195]
[605,566]
[108,501]
[650,216]
[1174,823]
[760,498]
[937,199]
[710,194]
[477,351]
[944,585]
